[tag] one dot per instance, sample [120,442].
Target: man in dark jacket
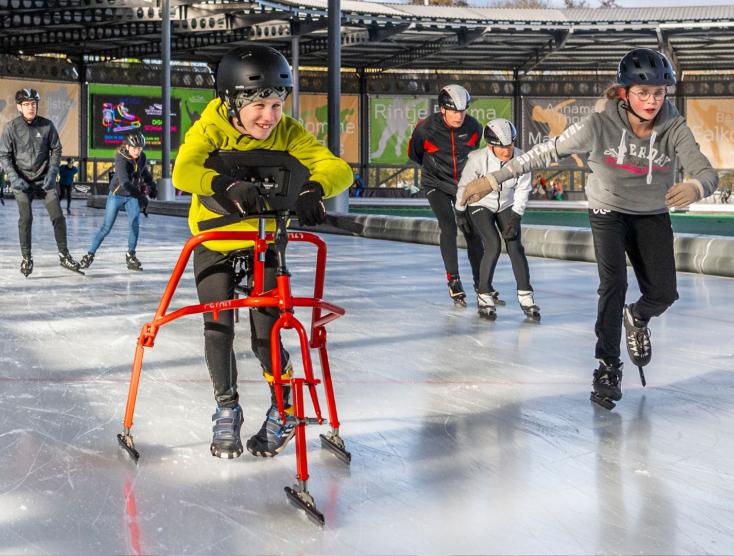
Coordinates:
[30,153]
[440,144]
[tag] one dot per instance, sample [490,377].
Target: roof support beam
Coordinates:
[554,45]
[666,48]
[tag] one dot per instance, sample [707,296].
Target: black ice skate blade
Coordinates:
[642,377]
[73,270]
[485,316]
[459,302]
[501,302]
[606,403]
[136,269]
[311,512]
[129,447]
[335,449]
[533,318]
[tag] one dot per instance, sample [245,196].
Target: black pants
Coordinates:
[66,193]
[442,205]
[25,221]
[215,281]
[648,242]
[488,225]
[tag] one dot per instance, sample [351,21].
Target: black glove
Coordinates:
[309,208]
[462,220]
[19,184]
[241,194]
[143,202]
[153,190]
[511,229]
[49,182]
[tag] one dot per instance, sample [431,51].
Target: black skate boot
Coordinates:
[274,435]
[485,306]
[456,290]
[226,442]
[26,266]
[607,384]
[637,335]
[132,261]
[527,302]
[66,260]
[87,260]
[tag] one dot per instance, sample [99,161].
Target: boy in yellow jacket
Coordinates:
[252,84]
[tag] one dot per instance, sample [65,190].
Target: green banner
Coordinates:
[489,108]
[190,102]
[392,120]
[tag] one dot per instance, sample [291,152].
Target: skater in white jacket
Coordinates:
[498,213]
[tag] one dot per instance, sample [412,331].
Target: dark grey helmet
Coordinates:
[454,97]
[134,139]
[246,69]
[644,66]
[23,95]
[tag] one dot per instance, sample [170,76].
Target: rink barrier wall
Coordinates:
[702,254]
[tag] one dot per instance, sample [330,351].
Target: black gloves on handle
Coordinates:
[242,194]
[462,220]
[143,202]
[512,226]
[309,208]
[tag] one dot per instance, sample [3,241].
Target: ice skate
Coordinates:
[26,266]
[607,384]
[226,442]
[87,260]
[527,303]
[637,336]
[132,261]
[485,306]
[274,435]
[496,297]
[456,290]
[66,260]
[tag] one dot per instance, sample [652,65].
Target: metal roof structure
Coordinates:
[374,36]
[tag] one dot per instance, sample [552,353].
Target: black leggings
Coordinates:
[66,193]
[215,281]
[442,205]
[647,239]
[25,220]
[489,225]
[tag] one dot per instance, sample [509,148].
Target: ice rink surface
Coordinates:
[467,436]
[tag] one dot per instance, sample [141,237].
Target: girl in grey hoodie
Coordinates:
[633,147]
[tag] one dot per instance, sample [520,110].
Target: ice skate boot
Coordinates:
[607,384]
[496,296]
[87,260]
[527,302]
[456,290]
[274,435]
[637,335]
[66,260]
[26,266]
[485,306]
[132,261]
[226,442]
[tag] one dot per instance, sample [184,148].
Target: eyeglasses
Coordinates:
[657,95]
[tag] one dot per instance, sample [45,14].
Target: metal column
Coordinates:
[165,187]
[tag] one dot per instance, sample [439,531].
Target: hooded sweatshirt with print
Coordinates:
[512,193]
[629,175]
[213,131]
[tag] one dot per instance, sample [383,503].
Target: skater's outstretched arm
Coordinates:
[54,161]
[703,179]
[415,145]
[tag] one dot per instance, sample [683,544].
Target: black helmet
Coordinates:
[454,97]
[24,95]
[246,69]
[644,66]
[500,132]
[134,139]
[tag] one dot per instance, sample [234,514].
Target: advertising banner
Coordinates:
[113,116]
[59,103]
[393,118]
[115,109]
[543,118]
[314,116]
[712,123]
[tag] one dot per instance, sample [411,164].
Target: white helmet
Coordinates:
[454,97]
[500,133]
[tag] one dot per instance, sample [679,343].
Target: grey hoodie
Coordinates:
[629,174]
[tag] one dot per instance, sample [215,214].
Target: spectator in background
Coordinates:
[66,181]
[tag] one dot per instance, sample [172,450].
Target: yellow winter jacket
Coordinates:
[213,131]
